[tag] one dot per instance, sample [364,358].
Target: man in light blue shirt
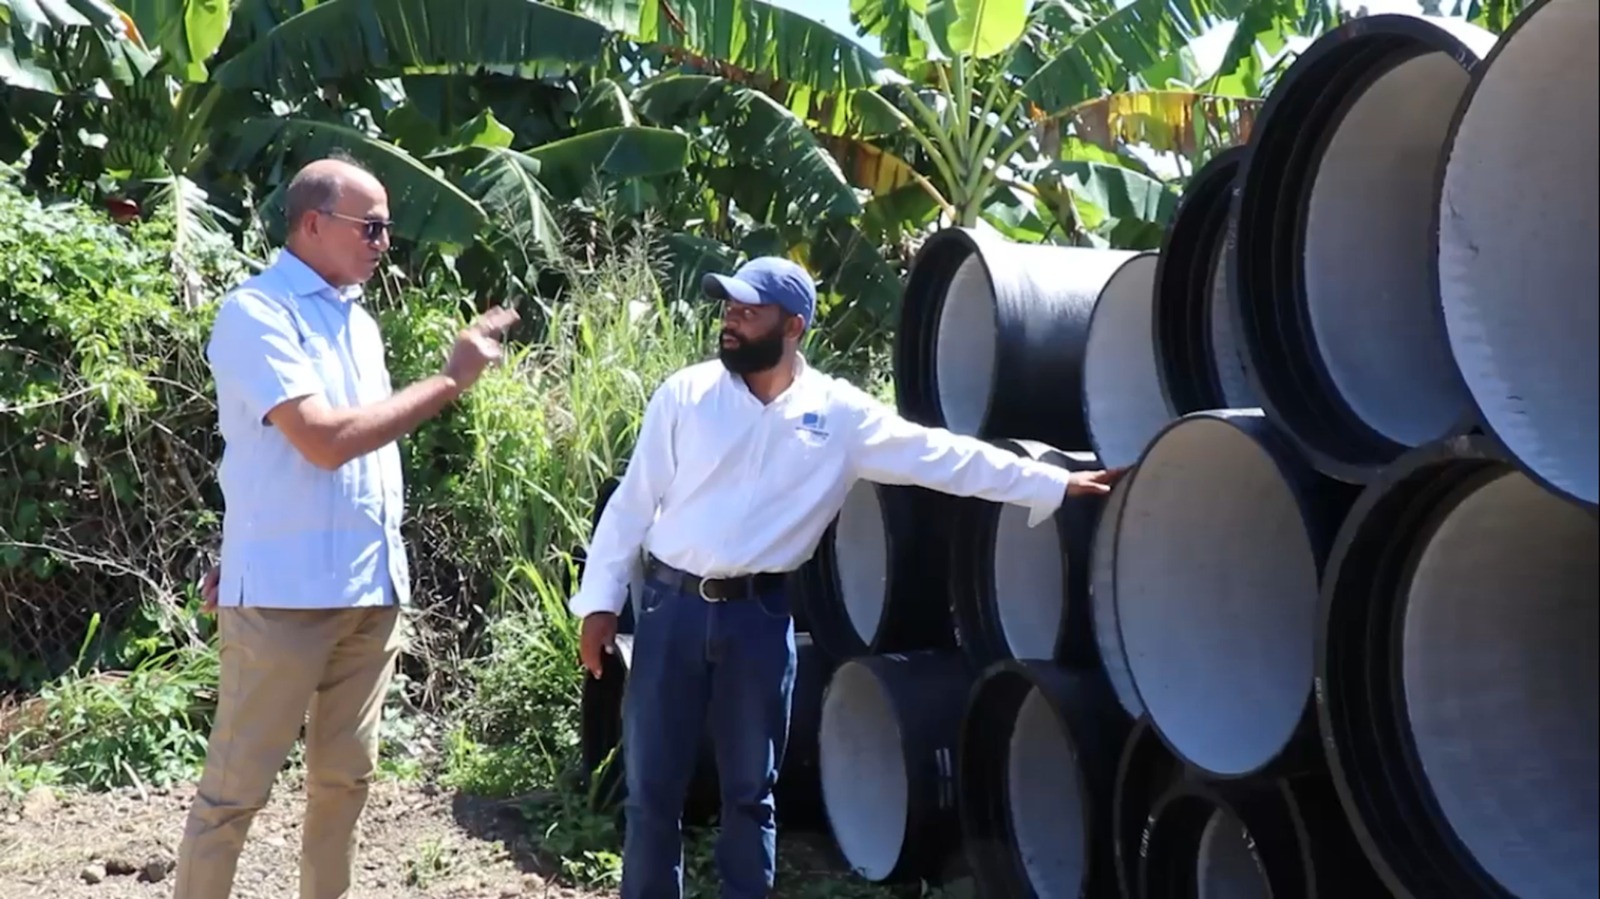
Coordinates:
[313,570]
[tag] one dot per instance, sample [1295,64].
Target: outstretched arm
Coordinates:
[888,449]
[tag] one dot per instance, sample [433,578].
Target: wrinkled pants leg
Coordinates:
[271,661]
[752,682]
[342,748]
[664,713]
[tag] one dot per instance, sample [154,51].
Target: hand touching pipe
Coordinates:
[1094,483]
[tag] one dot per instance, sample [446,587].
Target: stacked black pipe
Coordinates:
[1335,634]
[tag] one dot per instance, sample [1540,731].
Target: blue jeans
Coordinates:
[734,661]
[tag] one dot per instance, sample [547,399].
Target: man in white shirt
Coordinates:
[313,570]
[739,466]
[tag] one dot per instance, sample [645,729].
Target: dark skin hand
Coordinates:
[1094,483]
[599,635]
[599,632]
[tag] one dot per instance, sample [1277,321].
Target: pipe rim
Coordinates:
[1146,770]
[1300,392]
[1077,703]
[1253,425]
[845,833]
[1480,420]
[883,566]
[819,592]
[986,826]
[932,269]
[1100,433]
[1182,339]
[977,603]
[1466,490]
[1412,857]
[1102,598]
[1268,810]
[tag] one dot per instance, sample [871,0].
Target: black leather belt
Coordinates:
[712,589]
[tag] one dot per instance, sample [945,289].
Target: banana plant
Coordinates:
[1011,109]
[52,52]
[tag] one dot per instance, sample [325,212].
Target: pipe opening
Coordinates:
[1226,866]
[861,554]
[1216,592]
[1369,220]
[864,779]
[964,357]
[1121,376]
[1517,266]
[1030,573]
[1500,639]
[1046,802]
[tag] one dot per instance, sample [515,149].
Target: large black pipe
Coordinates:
[1219,550]
[1517,270]
[799,791]
[1020,592]
[873,585]
[1122,397]
[1112,653]
[891,725]
[1195,344]
[1038,763]
[1457,680]
[580,554]
[798,795]
[601,736]
[1341,335]
[1146,770]
[992,334]
[1267,838]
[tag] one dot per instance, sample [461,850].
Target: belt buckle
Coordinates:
[701,587]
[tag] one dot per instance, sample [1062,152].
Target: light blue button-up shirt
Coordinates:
[295,535]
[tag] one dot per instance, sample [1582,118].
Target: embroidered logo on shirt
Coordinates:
[813,428]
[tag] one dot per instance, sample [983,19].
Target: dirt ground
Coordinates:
[415,842]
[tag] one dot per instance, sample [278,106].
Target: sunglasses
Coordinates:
[372,229]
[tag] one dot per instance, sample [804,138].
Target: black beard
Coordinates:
[751,356]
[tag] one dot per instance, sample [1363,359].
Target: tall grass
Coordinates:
[541,433]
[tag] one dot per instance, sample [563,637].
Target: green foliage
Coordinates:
[96,730]
[107,423]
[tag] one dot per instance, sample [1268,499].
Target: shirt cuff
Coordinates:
[587,602]
[1053,494]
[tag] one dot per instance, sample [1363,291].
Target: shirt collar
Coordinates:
[304,281]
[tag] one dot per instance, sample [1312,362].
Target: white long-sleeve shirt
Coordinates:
[721,484]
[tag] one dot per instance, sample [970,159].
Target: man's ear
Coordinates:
[794,327]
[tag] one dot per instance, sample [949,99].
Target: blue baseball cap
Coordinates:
[766,280]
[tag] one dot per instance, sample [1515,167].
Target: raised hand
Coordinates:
[478,345]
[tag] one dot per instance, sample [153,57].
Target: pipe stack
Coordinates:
[1335,634]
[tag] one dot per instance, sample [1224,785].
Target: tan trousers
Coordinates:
[276,665]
